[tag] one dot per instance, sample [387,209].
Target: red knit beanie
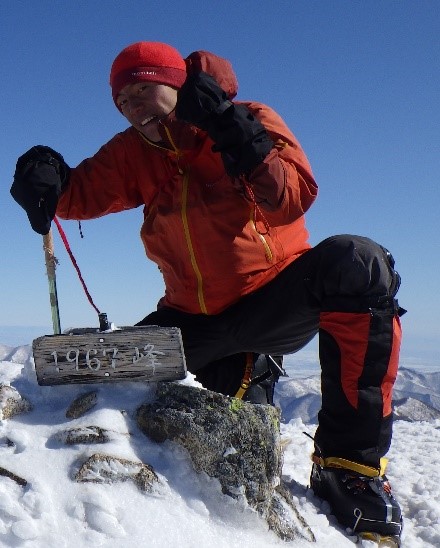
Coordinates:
[147,62]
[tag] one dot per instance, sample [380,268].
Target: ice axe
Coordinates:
[51,262]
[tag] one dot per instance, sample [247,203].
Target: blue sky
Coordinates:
[357,82]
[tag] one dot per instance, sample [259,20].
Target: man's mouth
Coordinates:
[147,120]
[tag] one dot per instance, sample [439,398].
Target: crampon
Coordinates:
[384,541]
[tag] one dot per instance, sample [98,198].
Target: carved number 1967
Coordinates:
[109,356]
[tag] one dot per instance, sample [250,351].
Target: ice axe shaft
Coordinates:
[51,263]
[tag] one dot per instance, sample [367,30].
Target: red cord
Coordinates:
[257,211]
[72,258]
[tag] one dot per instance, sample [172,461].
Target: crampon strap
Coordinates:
[364,470]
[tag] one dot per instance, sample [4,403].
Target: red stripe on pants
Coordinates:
[390,376]
[350,331]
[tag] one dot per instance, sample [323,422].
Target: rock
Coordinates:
[100,468]
[12,403]
[6,443]
[236,442]
[83,434]
[283,516]
[13,477]
[233,441]
[82,404]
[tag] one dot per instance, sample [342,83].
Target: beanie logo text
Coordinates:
[143,73]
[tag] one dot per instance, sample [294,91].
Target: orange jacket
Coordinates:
[214,238]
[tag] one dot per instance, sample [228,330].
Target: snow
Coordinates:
[187,509]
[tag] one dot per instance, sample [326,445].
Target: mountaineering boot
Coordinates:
[247,376]
[360,498]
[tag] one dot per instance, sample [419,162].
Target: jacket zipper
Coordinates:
[267,249]
[184,213]
[192,255]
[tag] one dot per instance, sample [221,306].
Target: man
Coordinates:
[225,186]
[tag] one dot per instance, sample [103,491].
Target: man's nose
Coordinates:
[134,103]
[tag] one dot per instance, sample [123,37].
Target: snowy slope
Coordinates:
[188,510]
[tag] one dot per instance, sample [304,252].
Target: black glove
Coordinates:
[240,138]
[40,176]
[200,100]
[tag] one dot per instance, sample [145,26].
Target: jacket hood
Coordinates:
[220,69]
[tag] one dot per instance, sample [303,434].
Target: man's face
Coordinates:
[144,104]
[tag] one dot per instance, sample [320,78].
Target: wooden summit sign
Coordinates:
[148,353]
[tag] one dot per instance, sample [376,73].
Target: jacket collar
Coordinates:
[176,135]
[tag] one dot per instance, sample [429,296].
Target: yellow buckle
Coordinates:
[364,470]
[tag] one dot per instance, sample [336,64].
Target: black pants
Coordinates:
[345,288]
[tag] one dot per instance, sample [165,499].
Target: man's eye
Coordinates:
[122,102]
